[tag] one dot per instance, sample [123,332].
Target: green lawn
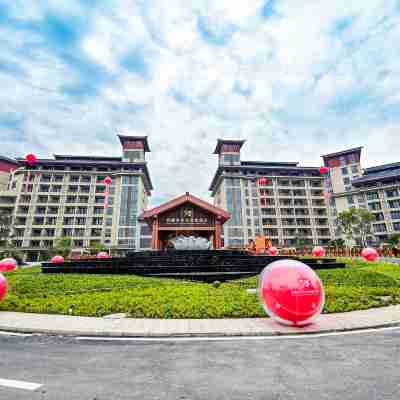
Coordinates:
[360,286]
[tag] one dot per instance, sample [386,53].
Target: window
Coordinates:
[394,203]
[345,171]
[395,214]
[350,200]
[354,169]
[130,180]
[145,230]
[380,228]
[396,226]
[145,243]
[392,193]
[375,206]
[81,221]
[346,181]
[379,217]
[97,221]
[234,205]
[126,232]
[372,196]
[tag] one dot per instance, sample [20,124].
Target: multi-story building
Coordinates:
[376,189]
[65,196]
[290,206]
[7,165]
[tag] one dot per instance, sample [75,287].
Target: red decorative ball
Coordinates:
[273,251]
[103,254]
[318,251]
[58,260]
[291,292]
[107,180]
[3,288]
[369,254]
[31,159]
[7,265]
[324,170]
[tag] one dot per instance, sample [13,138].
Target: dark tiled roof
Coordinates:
[374,177]
[9,160]
[124,138]
[269,164]
[382,168]
[220,142]
[342,153]
[86,158]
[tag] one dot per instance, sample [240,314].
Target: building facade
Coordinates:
[65,196]
[7,165]
[290,207]
[376,189]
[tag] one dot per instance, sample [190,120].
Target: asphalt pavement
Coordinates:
[344,366]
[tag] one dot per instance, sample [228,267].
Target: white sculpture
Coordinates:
[191,243]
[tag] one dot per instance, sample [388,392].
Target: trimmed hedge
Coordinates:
[358,287]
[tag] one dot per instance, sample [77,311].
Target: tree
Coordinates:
[339,242]
[62,246]
[355,222]
[394,239]
[97,247]
[363,224]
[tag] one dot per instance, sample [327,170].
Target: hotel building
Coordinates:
[65,196]
[289,208]
[376,189]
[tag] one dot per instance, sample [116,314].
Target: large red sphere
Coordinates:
[3,288]
[103,254]
[318,251]
[369,254]
[7,265]
[58,260]
[324,170]
[273,251]
[31,159]
[107,180]
[291,292]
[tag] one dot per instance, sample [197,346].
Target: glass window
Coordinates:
[129,205]
[395,214]
[354,169]
[234,205]
[346,181]
[345,171]
[130,180]
[350,199]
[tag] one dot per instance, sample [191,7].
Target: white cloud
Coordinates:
[272,81]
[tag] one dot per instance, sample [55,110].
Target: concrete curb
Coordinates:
[64,325]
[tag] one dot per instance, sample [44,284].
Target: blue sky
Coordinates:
[296,79]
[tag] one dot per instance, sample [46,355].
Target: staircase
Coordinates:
[198,265]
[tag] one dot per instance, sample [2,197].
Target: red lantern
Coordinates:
[273,251]
[103,254]
[3,288]
[107,181]
[7,265]
[263,181]
[324,170]
[369,254]
[31,159]
[318,251]
[58,260]
[291,292]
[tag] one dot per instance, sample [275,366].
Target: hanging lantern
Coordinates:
[31,159]
[263,181]
[324,170]
[107,181]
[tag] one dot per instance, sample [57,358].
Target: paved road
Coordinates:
[357,366]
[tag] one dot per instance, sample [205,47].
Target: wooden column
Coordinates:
[218,232]
[155,236]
